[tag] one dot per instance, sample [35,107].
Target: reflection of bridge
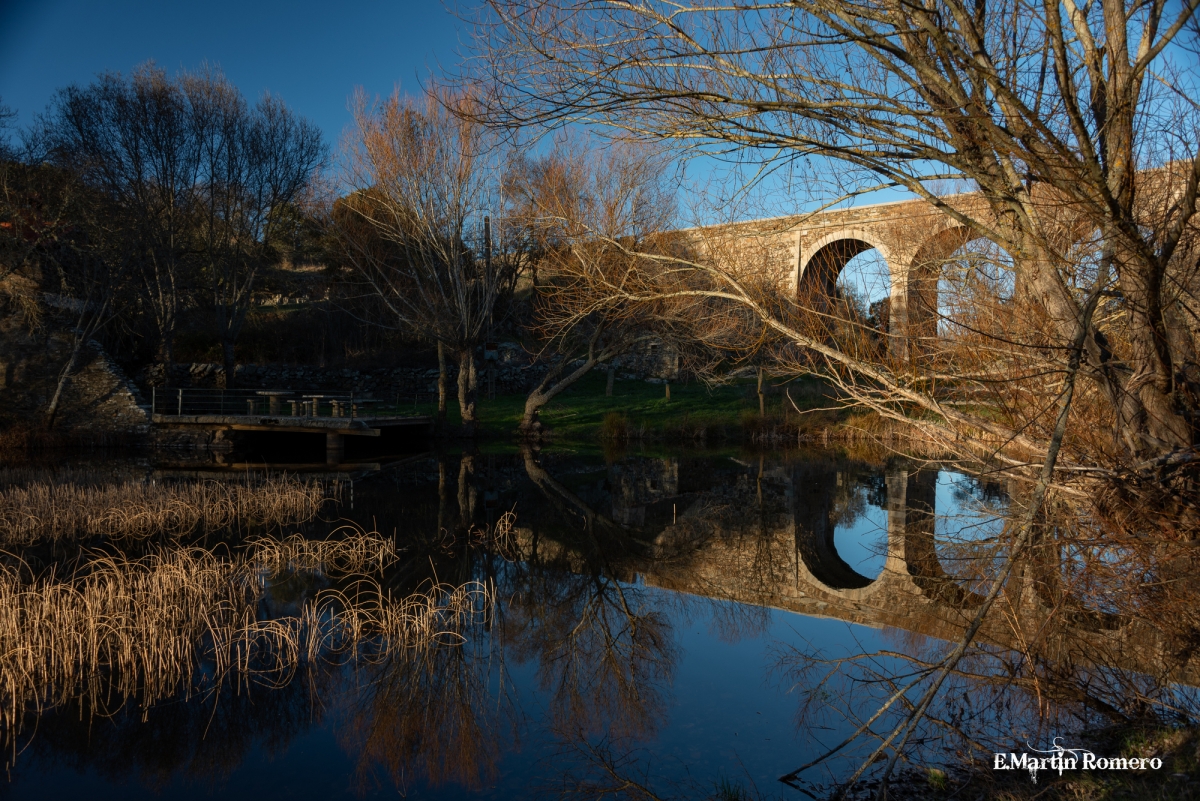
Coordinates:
[793,564]
[778,550]
[792,561]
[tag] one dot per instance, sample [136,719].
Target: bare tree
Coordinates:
[1073,122]
[195,178]
[425,178]
[134,139]
[88,287]
[254,162]
[578,200]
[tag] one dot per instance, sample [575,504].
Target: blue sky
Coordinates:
[313,55]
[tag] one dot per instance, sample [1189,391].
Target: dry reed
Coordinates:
[49,511]
[186,621]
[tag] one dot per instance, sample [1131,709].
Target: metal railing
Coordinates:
[200,401]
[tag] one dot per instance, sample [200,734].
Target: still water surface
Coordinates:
[646,606]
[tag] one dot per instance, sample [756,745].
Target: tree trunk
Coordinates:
[230,362]
[545,392]
[166,356]
[466,390]
[441,408]
[1163,428]
[63,378]
[442,499]
[467,494]
[562,497]
[762,403]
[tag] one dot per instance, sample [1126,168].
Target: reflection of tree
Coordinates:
[604,649]
[431,715]
[1086,635]
[1058,568]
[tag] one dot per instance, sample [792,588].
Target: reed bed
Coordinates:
[50,511]
[499,538]
[186,621]
[350,550]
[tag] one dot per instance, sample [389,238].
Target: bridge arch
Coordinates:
[933,300]
[824,259]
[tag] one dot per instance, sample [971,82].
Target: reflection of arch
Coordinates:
[815,486]
[819,555]
[920,548]
[1043,566]
[911,549]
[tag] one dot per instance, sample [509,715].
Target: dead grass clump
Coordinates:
[46,511]
[350,551]
[498,538]
[183,620]
[615,426]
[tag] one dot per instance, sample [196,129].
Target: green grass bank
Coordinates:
[638,410]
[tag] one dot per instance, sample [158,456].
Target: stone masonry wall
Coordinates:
[514,374]
[98,398]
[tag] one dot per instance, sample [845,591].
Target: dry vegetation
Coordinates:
[183,620]
[49,511]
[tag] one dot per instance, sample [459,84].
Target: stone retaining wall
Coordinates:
[97,399]
[514,375]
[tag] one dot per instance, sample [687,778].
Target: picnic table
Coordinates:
[313,403]
[273,396]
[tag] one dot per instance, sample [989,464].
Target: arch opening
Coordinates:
[865,282]
[961,287]
[847,282]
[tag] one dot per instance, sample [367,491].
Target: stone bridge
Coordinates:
[805,253]
[791,562]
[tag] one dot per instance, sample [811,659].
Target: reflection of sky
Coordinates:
[962,521]
[728,714]
[863,543]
